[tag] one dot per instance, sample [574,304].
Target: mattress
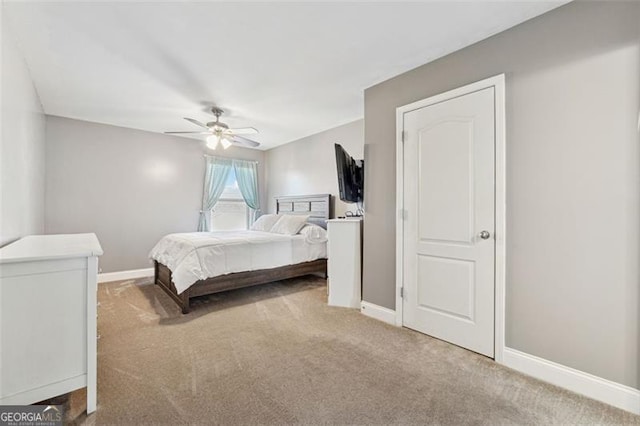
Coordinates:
[197,256]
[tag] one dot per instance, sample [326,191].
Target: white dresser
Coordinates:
[48,318]
[345,262]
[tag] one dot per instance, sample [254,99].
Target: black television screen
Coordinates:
[350,176]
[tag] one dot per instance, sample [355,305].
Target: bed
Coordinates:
[259,244]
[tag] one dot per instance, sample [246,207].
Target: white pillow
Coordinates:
[314,234]
[265,222]
[289,224]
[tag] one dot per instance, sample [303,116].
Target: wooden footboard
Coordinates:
[233,281]
[163,279]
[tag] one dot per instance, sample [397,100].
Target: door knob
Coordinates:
[485,235]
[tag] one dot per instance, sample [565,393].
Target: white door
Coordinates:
[449,200]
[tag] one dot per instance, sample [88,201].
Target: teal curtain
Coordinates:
[215,176]
[247,178]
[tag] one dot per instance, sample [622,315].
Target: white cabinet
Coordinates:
[345,262]
[48,318]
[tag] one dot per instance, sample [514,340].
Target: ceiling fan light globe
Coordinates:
[212,142]
[225,143]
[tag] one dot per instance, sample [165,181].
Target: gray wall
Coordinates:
[573,185]
[308,165]
[130,187]
[21,147]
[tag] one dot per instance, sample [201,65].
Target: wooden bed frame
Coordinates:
[318,207]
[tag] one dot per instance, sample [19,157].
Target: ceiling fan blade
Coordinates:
[245,142]
[187,133]
[244,131]
[196,122]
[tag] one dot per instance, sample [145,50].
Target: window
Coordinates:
[230,212]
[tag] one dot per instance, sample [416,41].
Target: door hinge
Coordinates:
[402,135]
[402,292]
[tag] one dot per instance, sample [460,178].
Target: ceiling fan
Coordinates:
[220,133]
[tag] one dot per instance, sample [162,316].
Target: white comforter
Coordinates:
[199,255]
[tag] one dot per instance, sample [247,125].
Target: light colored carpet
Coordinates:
[277,354]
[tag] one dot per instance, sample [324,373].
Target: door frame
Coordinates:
[498,83]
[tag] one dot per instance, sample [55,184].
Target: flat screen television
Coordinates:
[350,176]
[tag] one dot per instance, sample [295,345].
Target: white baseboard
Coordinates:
[378,312]
[609,392]
[125,275]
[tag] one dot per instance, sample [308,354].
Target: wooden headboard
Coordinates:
[317,206]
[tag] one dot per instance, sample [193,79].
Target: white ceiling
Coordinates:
[289,69]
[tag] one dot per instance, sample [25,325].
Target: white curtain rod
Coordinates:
[231,158]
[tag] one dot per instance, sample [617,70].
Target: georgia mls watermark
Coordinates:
[31,415]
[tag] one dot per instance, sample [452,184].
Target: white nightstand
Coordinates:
[345,262]
[48,318]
